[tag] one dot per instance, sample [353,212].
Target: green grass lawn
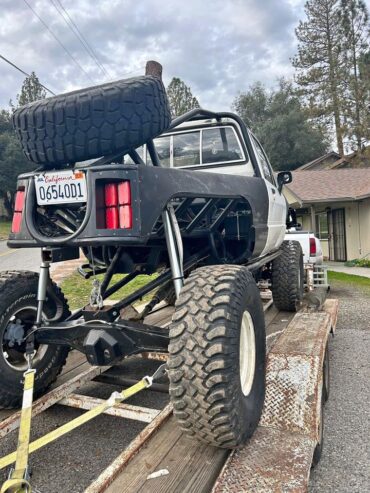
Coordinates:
[4,229]
[349,279]
[77,290]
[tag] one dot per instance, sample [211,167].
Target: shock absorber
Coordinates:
[174,248]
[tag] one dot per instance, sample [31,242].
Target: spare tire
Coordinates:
[93,122]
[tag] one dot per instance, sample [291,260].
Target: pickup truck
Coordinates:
[310,244]
[198,205]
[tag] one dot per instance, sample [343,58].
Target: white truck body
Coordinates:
[311,246]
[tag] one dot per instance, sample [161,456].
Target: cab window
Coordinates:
[220,145]
[262,159]
[186,149]
[163,147]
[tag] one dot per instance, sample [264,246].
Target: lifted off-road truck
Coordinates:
[194,201]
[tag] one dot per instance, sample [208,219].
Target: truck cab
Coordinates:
[225,146]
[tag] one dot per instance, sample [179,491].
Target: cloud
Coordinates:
[217,47]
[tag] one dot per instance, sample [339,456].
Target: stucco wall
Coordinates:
[357,222]
[357,219]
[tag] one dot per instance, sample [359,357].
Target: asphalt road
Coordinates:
[19,259]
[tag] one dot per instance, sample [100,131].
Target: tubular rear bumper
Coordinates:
[151,189]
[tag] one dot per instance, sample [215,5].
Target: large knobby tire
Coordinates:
[93,122]
[18,302]
[217,356]
[288,277]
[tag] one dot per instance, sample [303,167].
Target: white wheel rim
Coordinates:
[247,353]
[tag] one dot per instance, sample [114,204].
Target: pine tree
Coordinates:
[320,62]
[355,23]
[31,90]
[180,97]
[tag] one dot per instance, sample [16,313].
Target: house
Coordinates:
[335,205]
[333,160]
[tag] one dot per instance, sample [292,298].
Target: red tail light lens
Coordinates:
[124,193]
[312,246]
[118,210]
[18,211]
[125,216]
[111,195]
[111,218]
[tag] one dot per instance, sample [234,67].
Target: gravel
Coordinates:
[345,463]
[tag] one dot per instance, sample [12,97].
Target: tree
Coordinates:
[180,97]
[321,63]
[355,23]
[282,125]
[31,91]
[12,161]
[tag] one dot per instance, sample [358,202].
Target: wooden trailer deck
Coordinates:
[189,466]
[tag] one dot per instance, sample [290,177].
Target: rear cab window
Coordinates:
[200,148]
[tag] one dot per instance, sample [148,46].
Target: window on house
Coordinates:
[322,230]
[299,220]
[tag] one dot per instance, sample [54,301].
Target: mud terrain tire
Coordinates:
[216,389]
[18,295]
[288,277]
[93,122]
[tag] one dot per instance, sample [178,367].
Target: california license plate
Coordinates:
[61,187]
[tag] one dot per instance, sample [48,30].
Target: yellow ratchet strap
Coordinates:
[114,399]
[18,480]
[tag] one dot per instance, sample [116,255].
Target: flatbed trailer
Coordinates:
[162,459]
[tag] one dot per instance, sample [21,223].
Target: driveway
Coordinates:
[345,463]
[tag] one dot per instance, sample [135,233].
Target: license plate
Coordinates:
[61,187]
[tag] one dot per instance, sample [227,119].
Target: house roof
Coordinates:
[330,185]
[319,160]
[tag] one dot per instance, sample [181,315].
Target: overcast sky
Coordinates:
[218,47]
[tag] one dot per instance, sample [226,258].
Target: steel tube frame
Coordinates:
[173,254]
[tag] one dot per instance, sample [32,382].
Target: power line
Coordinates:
[58,40]
[76,31]
[25,73]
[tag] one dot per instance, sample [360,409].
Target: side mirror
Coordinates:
[283,178]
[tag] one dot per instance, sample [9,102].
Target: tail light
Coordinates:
[312,246]
[18,211]
[118,210]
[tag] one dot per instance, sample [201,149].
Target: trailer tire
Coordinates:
[287,277]
[326,373]
[93,122]
[320,444]
[216,389]
[18,299]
